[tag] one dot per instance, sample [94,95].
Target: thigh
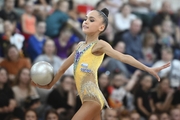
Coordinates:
[98,116]
[88,111]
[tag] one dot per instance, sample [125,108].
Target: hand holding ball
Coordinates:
[42,73]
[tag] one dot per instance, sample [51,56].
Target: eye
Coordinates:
[91,20]
[85,19]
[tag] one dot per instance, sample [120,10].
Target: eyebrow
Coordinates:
[90,17]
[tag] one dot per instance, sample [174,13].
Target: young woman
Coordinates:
[87,59]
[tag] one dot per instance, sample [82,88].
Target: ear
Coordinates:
[101,27]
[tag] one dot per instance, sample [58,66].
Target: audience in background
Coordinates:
[7,12]
[143,101]
[62,98]
[13,62]
[52,115]
[30,115]
[163,96]
[123,18]
[8,105]
[36,42]
[25,94]
[28,20]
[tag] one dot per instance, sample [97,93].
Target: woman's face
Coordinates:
[147,82]
[67,84]
[52,116]
[25,76]
[30,115]
[13,54]
[3,76]
[93,23]
[153,117]
[166,56]
[103,80]
[164,85]
[119,80]
[49,47]
[164,116]
[126,10]
[29,7]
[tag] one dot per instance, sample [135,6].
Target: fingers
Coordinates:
[165,66]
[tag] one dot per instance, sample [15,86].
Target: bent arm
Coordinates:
[68,62]
[141,107]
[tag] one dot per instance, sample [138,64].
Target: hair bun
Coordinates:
[105,11]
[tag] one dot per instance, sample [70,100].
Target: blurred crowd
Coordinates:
[49,30]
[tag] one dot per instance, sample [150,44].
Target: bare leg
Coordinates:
[88,111]
[98,116]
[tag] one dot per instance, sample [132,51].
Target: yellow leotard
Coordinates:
[85,73]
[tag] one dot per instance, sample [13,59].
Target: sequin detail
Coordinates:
[79,54]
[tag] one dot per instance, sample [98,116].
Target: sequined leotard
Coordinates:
[85,72]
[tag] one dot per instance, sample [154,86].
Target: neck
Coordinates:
[144,88]
[22,86]
[91,37]
[49,55]
[39,35]
[1,86]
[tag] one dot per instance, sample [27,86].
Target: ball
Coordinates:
[42,73]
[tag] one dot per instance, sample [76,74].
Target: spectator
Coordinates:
[112,64]
[49,55]
[165,13]
[163,96]
[135,116]
[153,117]
[142,9]
[166,37]
[58,18]
[133,40]
[147,49]
[25,94]
[119,91]
[7,13]
[143,100]
[51,115]
[62,98]
[7,101]
[63,43]
[10,36]
[114,5]
[104,83]
[36,41]
[28,20]
[30,115]
[110,114]
[164,116]
[123,18]
[172,71]
[13,62]
[175,114]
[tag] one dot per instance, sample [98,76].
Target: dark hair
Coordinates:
[104,14]
[7,83]
[123,6]
[29,111]
[49,39]
[7,50]
[17,79]
[65,76]
[51,111]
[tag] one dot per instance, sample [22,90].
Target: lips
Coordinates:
[85,27]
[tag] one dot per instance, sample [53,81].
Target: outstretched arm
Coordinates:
[104,47]
[68,62]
